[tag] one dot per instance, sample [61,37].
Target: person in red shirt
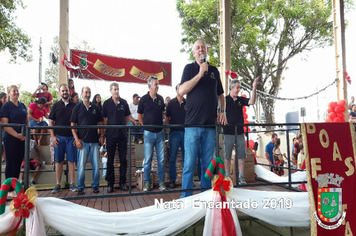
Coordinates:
[44,87]
[36,111]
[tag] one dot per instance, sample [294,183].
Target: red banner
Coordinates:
[330,161]
[88,65]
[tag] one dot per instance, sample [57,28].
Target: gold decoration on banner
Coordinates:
[139,74]
[108,70]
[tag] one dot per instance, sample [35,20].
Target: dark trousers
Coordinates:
[111,147]
[15,152]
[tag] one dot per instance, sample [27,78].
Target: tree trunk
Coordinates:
[268,108]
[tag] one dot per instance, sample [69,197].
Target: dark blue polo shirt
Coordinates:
[83,116]
[116,115]
[152,111]
[15,114]
[202,100]
[234,114]
[60,115]
[176,113]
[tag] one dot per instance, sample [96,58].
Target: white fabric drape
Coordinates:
[73,219]
[289,209]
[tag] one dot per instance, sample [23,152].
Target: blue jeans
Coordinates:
[198,141]
[153,140]
[176,138]
[93,150]
[135,132]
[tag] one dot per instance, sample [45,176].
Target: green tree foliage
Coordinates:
[265,34]
[26,98]
[11,36]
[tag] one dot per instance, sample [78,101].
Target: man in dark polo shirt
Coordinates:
[175,115]
[201,82]
[63,140]
[116,112]
[150,112]
[86,140]
[234,114]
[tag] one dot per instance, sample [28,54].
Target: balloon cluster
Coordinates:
[336,111]
[232,74]
[251,143]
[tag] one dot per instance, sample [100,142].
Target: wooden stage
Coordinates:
[122,201]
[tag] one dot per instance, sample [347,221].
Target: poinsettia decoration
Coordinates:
[21,206]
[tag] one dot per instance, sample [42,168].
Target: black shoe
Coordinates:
[124,187]
[172,184]
[95,190]
[80,191]
[110,189]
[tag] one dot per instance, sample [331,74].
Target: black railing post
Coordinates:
[129,140]
[217,149]
[27,155]
[288,155]
[236,159]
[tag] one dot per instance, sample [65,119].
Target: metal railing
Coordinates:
[26,131]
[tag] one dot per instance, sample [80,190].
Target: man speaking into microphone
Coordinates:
[201,82]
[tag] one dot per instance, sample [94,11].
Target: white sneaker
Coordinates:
[147,187]
[162,186]
[242,180]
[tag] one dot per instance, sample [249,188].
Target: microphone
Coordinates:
[203,59]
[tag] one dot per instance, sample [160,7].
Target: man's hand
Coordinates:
[78,144]
[101,140]
[19,136]
[203,68]
[255,82]
[55,141]
[222,118]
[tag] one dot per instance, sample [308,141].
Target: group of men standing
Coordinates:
[199,112]
[79,143]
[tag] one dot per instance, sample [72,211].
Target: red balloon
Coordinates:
[337,119]
[342,119]
[244,95]
[246,122]
[332,115]
[328,120]
[330,110]
[332,105]
[249,130]
[343,109]
[251,144]
[244,109]
[340,114]
[341,103]
[337,109]
[245,116]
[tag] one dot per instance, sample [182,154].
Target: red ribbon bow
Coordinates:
[222,186]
